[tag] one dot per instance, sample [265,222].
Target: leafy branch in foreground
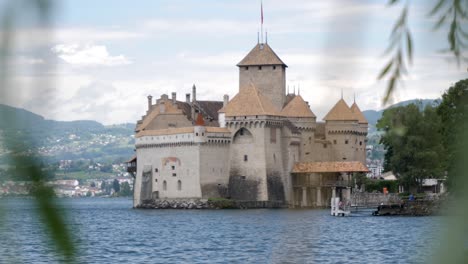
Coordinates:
[401,45]
[49,212]
[451,12]
[457,11]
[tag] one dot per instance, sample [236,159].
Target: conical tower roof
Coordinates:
[340,112]
[297,107]
[261,54]
[248,102]
[358,114]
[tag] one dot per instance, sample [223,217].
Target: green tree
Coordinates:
[453,111]
[414,141]
[103,185]
[126,189]
[116,185]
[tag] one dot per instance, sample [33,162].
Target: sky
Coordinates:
[99,60]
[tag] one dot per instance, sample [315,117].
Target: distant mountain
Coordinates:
[373,116]
[82,139]
[17,118]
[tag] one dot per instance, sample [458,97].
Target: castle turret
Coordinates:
[341,129]
[199,129]
[298,112]
[266,71]
[362,133]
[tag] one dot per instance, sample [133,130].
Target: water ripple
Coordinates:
[108,230]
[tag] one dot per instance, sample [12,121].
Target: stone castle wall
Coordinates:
[270,82]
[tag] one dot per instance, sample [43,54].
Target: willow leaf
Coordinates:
[437,7]
[385,70]
[409,45]
[440,22]
[390,88]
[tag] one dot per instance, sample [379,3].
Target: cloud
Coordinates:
[88,55]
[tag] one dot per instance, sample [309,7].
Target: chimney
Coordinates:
[174,98]
[150,98]
[226,100]
[194,93]
[187,98]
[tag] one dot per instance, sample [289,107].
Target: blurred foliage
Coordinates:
[401,45]
[29,166]
[451,13]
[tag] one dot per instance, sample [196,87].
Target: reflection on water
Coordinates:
[108,230]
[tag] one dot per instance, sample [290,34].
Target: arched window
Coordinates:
[164,185]
[179,185]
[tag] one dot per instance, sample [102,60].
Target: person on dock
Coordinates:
[411,197]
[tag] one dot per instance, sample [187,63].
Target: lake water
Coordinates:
[110,231]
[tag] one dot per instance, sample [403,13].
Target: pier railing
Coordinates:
[373,199]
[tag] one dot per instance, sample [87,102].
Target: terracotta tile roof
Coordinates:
[358,114]
[249,102]
[297,107]
[331,166]
[170,109]
[340,112]
[288,98]
[168,131]
[261,54]
[217,130]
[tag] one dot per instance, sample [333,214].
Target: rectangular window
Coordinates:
[246,158]
[346,141]
[274,67]
[334,141]
[259,68]
[324,145]
[174,174]
[156,170]
[273,135]
[173,167]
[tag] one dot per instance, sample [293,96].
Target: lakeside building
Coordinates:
[262,145]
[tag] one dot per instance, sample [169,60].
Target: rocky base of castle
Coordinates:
[212,203]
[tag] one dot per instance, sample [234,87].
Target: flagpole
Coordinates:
[261,18]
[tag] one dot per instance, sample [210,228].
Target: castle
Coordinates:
[262,145]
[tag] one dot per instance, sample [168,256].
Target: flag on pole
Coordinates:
[261,7]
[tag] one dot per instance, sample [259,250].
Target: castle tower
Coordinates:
[340,129]
[362,133]
[266,71]
[199,129]
[298,113]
